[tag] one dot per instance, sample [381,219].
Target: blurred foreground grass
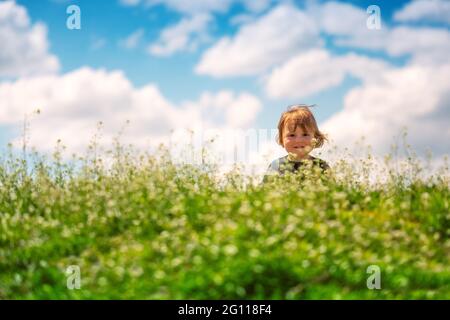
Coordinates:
[145,228]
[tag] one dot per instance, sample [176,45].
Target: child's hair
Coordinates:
[303,117]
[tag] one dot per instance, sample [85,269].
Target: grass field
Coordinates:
[145,228]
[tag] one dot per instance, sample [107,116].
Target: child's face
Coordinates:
[298,142]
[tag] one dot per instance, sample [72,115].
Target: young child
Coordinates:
[298,134]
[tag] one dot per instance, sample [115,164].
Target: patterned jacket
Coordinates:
[283,165]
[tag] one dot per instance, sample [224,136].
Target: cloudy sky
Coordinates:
[228,64]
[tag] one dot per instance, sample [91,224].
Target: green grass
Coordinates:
[145,228]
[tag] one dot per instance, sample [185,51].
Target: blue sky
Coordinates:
[106,24]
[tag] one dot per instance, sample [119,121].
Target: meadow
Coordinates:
[144,227]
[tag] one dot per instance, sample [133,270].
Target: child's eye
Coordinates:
[306,135]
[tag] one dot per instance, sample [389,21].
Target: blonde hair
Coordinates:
[302,117]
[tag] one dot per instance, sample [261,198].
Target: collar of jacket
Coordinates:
[292,157]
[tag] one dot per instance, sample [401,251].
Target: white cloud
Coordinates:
[361,67]
[303,75]
[189,7]
[261,44]
[186,35]
[316,70]
[130,3]
[241,19]
[422,44]
[425,10]
[257,6]
[24,47]
[426,45]
[338,18]
[132,41]
[415,97]
[192,7]
[73,103]
[278,36]
[191,31]
[238,111]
